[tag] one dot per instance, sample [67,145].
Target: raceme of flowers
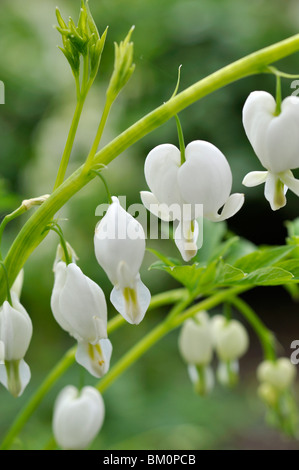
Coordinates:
[183,190]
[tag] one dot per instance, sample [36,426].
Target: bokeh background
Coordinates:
[152,406]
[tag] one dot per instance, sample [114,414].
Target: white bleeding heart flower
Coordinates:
[196,341]
[280,374]
[78,417]
[183,192]
[78,304]
[15,337]
[18,284]
[275,140]
[119,248]
[230,338]
[95,357]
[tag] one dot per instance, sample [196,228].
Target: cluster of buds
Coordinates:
[200,336]
[276,379]
[184,191]
[81,40]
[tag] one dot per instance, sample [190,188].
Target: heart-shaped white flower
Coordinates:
[275,140]
[280,374]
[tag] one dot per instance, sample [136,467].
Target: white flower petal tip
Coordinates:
[186,235]
[131,303]
[290,181]
[230,208]
[95,358]
[15,376]
[255,178]
[78,417]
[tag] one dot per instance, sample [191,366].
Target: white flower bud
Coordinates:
[230,338]
[15,336]
[119,247]
[78,417]
[280,374]
[202,378]
[78,304]
[195,340]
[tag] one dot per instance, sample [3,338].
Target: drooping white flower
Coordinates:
[275,140]
[78,417]
[231,342]
[230,338]
[119,248]
[196,348]
[183,192]
[280,374]
[78,304]
[196,341]
[15,337]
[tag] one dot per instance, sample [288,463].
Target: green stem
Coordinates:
[30,235]
[94,148]
[265,336]
[278,96]
[70,142]
[68,359]
[181,139]
[172,321]
[19,211]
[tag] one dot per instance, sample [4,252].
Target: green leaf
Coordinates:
[227,274]
[291,265]
[270,276]
[263,258]
[213,234]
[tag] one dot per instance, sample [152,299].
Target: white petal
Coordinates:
[196,342]
[119,237]
[254,178]
[185,236]
[78,417]
[2,352]
[161,210]
[274,139]
[95,358]
[205,178]
[15,329]
[290,181]
[82,304]
[161,169]
[132,304]
[274,193]
[15,376]
[230,208]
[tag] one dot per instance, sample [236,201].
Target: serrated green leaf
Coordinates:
[227,274]
[292,266]
[270,276]
[167,261]
[238,250]
[263,258]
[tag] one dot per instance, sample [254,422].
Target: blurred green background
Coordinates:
[153,405]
